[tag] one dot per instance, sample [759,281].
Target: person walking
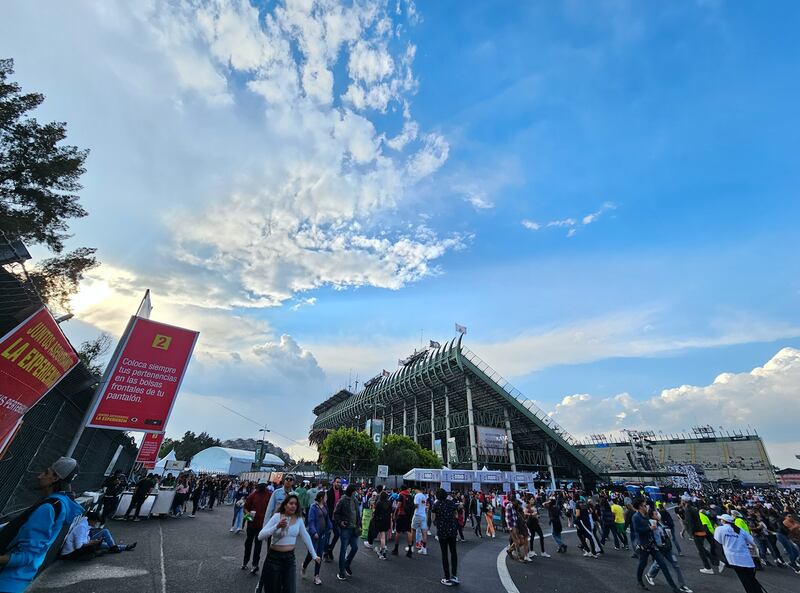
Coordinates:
[113,488]
[239,497]
[255,510]
[347,517]
[554,514]
[534,527]
[382,522]
[444,512]
[736,544]
[282,530]
[319,527]
[140,494]
[646,545]
[332,499]
[698,532]
[27,538]
[475,508]
[488,511]
[419,522]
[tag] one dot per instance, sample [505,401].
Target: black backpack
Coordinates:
[408,505]
[10,531]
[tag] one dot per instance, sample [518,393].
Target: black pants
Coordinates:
[250,540]
[612,529]
[644,556]
[136,506]
[450,565]
[534,528]
[699,543]
[478,526]
[335,539]
[279,574]
[110,504]
[748,578]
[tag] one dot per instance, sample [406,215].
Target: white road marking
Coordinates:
[56,579]
[502,569]
[161,549]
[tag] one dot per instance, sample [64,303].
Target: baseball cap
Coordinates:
[727,518]
[263,481]
[66,468]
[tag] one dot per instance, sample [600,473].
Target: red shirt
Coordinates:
[256,504]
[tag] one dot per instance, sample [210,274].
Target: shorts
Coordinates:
[402,524]
[419,522]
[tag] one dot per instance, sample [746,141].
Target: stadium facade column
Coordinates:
[473,447]
[405,420]
[391,422]
[433,432]
[511,457]
[416,418]
[550,466]
[447,423]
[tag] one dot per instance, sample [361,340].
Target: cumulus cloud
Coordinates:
[766,398]
[571,224]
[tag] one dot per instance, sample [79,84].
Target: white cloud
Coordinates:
[478,200]
[571,224]
[766,398]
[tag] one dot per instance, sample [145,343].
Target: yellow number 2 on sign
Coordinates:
[162,342]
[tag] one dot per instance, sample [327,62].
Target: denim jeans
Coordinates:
[557,538]
[349,536]
[320,545]
[105,535]
[673,561]
[659,558]
[674,540]
[791,549]
[238,516]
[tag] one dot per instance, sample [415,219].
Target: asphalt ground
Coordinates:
[201,556]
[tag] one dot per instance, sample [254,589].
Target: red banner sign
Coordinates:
[146,376]
[148,451]
[34,356]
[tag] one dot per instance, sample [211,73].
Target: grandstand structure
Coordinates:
[716,456]
[449,400]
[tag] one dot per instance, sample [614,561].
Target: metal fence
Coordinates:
[48,427]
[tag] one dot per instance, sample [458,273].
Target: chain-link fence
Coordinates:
[48,427]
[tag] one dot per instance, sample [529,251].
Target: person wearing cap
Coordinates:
[280,494]
[255,510]
[736,544]
[38,527]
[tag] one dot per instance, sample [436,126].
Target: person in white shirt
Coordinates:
[86,538]
[419,522]
[284,527]
[736,544]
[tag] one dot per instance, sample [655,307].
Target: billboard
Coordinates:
[452,452]
[492,440]
[34,357]
[375,430]
[437,449]
[140,389]
[148,450]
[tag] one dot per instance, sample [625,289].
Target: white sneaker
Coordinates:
[532,554]
[706,571]
[587,554]
[650,580]
[721,566]
[233,529]
[366,544]
[423,551]
[685,589]
[545,555]
[454,580]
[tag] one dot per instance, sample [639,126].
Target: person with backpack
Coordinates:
[26,539]
[402,518]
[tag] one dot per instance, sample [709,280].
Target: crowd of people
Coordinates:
[741,530]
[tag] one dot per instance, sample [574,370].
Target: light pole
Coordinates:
[260,457]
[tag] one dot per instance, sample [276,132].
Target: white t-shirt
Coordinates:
[419,500]
[735,545]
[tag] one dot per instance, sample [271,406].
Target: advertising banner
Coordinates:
[148,451]
[375,430]
[34,357]
[145,377]
[452,452]
[437,449]
[492,440]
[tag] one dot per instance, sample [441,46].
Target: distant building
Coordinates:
[717,457]
[788,478]
[223,460]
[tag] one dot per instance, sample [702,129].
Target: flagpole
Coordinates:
[107,375]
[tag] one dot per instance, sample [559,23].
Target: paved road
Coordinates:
[201,556]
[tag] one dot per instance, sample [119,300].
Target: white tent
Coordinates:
[223,460]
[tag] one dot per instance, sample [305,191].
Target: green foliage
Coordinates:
[91,351]
[188,446]
[402,453]
[346,449]
[39,185]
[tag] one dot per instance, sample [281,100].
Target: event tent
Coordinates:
[223,460]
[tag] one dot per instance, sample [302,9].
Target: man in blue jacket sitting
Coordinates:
[31,534]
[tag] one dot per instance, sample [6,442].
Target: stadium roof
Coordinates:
[421,386]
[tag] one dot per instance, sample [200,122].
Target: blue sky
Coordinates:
[604,193]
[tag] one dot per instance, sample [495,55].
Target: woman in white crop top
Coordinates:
[284,527]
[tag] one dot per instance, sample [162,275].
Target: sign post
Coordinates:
[148,451]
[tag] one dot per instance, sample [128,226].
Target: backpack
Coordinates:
[11,529]
[408,505]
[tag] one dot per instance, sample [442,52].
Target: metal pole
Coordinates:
[511,457]
[433,430]
[550,467]
[473,447]
[447,424]
[112,364]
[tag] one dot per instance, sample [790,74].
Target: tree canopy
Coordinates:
[401,453]
[347,449]
[39,185]
[188,446]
